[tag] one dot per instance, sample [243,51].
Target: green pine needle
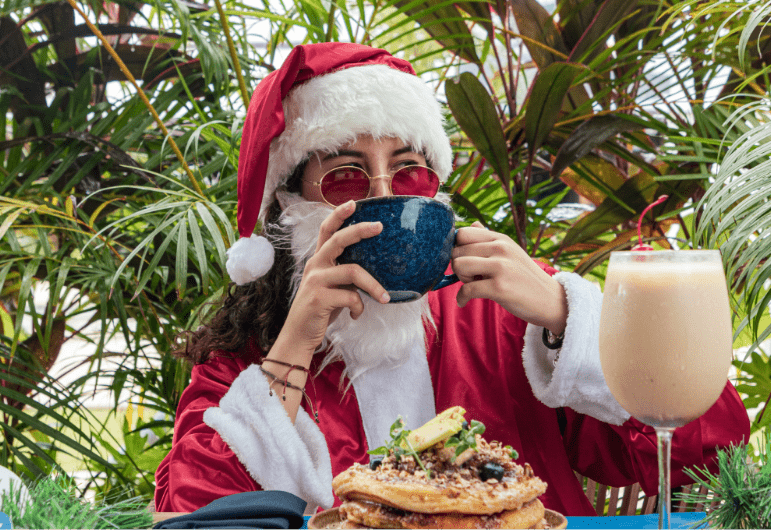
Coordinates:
[54,503]
[742,486]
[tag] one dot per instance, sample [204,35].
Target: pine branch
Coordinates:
[54,503]
[742,486]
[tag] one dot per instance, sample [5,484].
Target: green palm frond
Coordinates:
[35,411]
[736,217]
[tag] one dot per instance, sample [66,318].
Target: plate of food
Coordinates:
[442,475]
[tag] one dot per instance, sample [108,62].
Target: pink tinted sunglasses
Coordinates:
[346,183]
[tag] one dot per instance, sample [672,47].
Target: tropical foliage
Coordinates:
[618,102]
[93,198]
[54,502]
[735,211]
[120,155]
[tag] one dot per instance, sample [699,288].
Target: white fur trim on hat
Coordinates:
[249,258]
[333,109]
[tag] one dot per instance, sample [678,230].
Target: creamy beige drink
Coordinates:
[665,333]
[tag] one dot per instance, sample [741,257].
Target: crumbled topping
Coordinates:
[461,475]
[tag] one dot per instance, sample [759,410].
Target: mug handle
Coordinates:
[448,279]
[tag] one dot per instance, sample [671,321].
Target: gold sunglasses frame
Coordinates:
[369,192]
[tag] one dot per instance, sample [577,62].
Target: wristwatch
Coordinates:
[552,341]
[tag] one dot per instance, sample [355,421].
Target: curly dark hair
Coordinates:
[255,310]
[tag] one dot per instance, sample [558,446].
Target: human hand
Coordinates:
[327,288]
[493,266]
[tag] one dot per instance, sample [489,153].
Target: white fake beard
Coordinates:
[384,334]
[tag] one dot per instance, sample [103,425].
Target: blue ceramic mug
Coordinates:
[411,254]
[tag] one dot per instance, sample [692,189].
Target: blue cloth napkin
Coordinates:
[677,520]
[253,509]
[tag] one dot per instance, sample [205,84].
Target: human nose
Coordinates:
[380,186]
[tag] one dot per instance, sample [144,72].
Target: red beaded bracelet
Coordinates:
[286,383]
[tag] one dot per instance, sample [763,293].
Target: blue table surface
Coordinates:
[678,520]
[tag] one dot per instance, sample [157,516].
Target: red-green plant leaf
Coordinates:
[592,177]
[444,22]
[470,207]
[603,18]
[630,199]
[644,18]
[632,157]
[480,11]
[535,23]
[544,40]
[545,102]
[589,135]
[624,241]
[575,16]
[475,113]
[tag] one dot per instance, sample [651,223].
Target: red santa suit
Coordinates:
[232,436]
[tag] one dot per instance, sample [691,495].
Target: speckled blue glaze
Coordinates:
[412,252]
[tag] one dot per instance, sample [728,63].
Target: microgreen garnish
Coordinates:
[465,438]
[398,436]
[512,452]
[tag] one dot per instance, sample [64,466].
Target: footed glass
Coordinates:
[666,341]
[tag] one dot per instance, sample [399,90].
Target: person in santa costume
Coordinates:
[305,366]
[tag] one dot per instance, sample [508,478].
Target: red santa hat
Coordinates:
[322,97]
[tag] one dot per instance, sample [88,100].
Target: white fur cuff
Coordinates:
[249,258]
[577,380]
[276,453]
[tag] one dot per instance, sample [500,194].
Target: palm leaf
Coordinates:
[735,217]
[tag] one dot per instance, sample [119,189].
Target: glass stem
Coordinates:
[664,443]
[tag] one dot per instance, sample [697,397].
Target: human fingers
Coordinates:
[496,278]
[312,310]
[334,221]
[522,288]
[351,276]
[473,268]
[486,249]
[346,297]
[334,246]
[479,288]
[321,306]
[474,234]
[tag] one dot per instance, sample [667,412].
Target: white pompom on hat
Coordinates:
[322,97]
[241,265]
